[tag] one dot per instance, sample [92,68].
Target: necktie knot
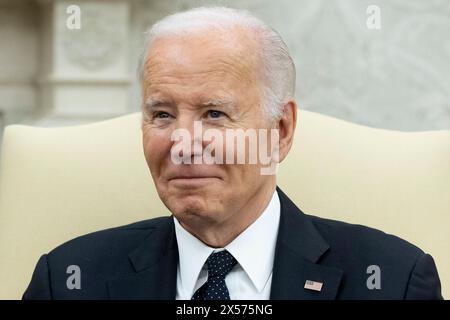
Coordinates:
[220,263]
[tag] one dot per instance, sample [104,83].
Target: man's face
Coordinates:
[215,81]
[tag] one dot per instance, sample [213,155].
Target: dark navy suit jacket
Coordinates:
[139,261]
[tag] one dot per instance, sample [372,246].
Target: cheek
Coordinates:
[157,145]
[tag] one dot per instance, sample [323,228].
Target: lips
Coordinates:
[192,174]
[192,182]
[189,176]
[186,177]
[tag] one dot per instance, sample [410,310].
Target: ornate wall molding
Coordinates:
[99,42]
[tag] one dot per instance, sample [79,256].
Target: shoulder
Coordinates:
[359,238]
[404,271]
[369,244]
[93,259]
[109,245]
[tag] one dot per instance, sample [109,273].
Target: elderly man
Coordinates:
[233,233]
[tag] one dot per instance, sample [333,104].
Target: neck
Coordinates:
[219,235]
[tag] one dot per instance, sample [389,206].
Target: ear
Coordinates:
[286,127]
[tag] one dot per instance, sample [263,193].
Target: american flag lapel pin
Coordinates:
[313,285]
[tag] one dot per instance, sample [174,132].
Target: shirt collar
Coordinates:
[254,249]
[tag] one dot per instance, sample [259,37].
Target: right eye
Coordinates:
[161,115]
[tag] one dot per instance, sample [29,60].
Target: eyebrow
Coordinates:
[220,102]
[153,102]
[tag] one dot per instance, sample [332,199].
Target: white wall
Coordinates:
[397,77]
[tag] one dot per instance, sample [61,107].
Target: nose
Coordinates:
[189,133]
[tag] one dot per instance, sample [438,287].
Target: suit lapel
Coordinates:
[155,262]
[298,250]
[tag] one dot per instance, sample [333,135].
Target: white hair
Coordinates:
[278,69]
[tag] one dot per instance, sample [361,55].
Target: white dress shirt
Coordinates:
[254,250]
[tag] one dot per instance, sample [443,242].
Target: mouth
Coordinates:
[192,180]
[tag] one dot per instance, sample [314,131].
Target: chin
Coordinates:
[203,202]
[194,209]
[184,205]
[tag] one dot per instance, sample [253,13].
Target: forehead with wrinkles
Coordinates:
[211,55]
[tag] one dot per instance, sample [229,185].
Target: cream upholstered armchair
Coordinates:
[58,183]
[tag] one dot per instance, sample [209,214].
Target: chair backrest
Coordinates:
[59,183]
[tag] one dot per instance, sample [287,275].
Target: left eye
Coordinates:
[215,114]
